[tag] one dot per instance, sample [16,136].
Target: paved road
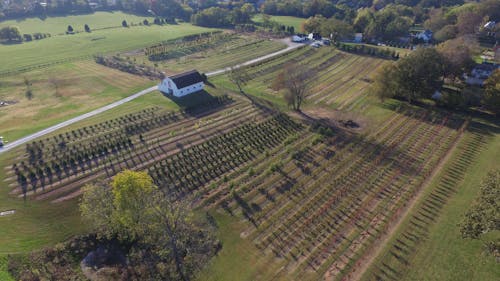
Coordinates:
[14,144]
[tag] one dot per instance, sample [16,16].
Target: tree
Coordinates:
[87,28]
[29,92]
[28,37]
[239,76]
[484,214]
[457,56]
[69,29]
[247,11]
[416,76]
[11,34]
[55,83]
[468,22]
[446,33]
[336,29]
[124,23]
[491,98]
[313,24]
[383,83]
[130,193]
[294,80]
[167,242]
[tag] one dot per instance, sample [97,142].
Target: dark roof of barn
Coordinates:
[185,79]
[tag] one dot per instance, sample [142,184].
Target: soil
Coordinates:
[335,118]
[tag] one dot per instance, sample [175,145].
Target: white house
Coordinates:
[358,37]
[297,38]
[425,35]
[490,25]
[182,84]
[480,73]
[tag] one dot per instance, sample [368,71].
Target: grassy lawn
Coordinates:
[442,254]
[63,48]
[59,93]
[296,22]
[238,259]
[58,25]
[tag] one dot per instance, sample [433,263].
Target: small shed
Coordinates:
[182,84]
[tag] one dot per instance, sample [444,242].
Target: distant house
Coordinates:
[314,36]
[425,35]
[182,84]
[358,37]
[298,38]
[490,25]
[480,73]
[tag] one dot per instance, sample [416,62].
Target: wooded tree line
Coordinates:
[224,17]
[422,74]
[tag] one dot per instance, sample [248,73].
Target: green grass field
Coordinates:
[81,87]
[58,25]
[296,22]
[57,49]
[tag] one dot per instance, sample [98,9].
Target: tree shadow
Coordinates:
[197,102]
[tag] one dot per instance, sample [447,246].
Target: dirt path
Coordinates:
[369,258]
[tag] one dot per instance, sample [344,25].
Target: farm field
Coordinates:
[295,196]
[57,25]
[348,188]
[432,226]
[296,22]
[58,49]
[59,93]
[341,80]
[229,50]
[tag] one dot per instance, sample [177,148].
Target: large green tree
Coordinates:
[457,55]
[491,98]
[10,34]
[167,243]
[416,76]
[484,214]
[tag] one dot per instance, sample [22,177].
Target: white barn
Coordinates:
[182,84]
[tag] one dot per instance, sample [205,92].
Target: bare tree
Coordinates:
[239,76]
[29,92]
[294,79]
[55,83]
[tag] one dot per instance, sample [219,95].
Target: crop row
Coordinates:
[200,164]
[337,204]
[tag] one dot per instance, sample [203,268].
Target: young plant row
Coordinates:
[196,166]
